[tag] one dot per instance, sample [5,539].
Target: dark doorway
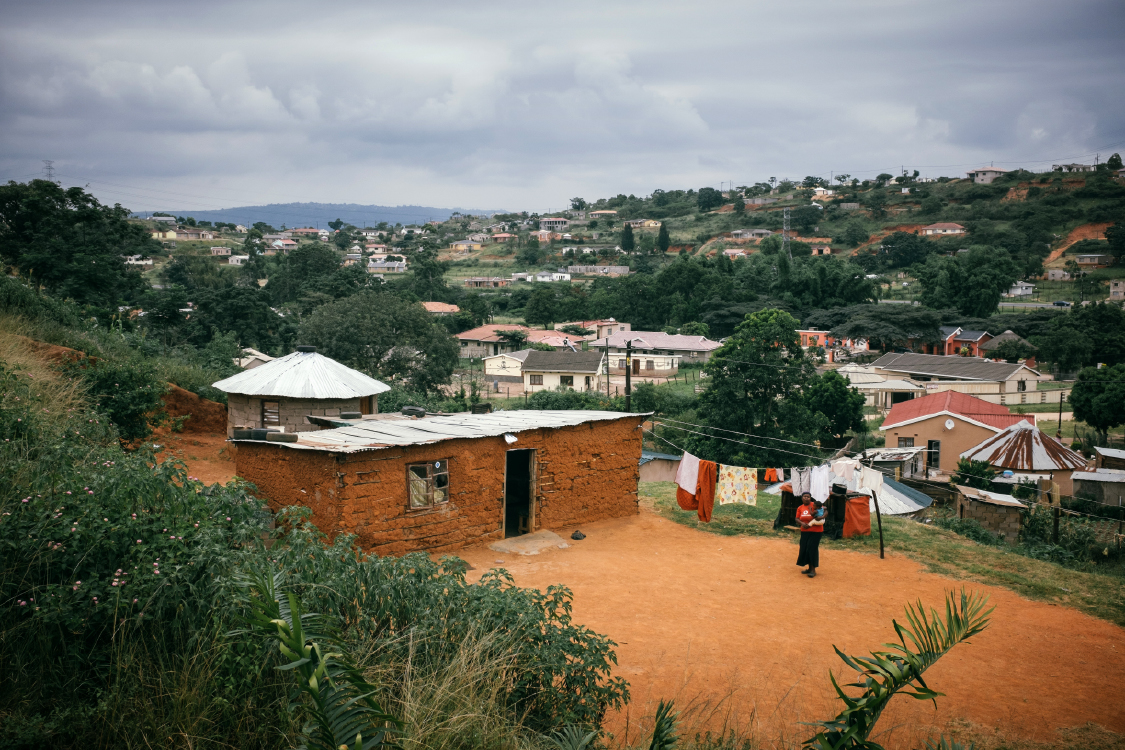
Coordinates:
[636,367]
[933,454]
[518,490]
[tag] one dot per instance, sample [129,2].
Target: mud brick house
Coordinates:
[439,483]
[1000,514]
[283,393]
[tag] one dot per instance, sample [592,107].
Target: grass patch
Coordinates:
[1096,592]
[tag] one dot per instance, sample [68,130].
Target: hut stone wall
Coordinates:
[247,411]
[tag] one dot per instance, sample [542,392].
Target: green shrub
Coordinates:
[129,393]
[970,529]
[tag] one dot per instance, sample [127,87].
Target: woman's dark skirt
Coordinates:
[810,549]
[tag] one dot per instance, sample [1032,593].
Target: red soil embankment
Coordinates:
[1076,235]
[884,233]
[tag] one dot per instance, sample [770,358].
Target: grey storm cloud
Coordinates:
[523,105]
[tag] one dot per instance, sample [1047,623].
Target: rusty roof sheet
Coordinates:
[985,496]
[1024,447]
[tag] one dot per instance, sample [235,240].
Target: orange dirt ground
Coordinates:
[698,617]
[203,443]
[884,233]
[1084,232]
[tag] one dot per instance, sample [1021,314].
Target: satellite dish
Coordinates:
[949,424]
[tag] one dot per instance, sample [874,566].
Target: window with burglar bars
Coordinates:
[428,484]
[271,414]
[535,379]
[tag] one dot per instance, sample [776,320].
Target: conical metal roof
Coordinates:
[303,375]
[1024,447]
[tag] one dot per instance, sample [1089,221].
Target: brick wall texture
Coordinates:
[996,518]
[584,473]
[247,410]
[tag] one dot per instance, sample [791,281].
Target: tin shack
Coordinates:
[439,483]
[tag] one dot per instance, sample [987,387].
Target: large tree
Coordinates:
[884,326]
[628,242]
[66,240]
[385,336]
[1098,398]
[755,387]
[972,283]
[832,395]
[663,241]
[540,309]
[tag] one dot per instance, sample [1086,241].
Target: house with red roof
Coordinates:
[942,228]
[947,424]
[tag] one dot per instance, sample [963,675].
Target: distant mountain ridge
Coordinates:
[319,214]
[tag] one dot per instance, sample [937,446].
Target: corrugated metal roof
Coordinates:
[1024,447]
[1101,475]
[955,404]
[1110,452]
[372,435]
[303,375]
[953,367]
[994,498]
[896,499]
[647,456]
[658,340]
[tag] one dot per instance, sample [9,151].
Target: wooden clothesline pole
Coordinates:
[879,519]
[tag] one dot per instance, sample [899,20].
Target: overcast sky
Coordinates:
[523,105]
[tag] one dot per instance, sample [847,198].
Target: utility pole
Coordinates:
[49,169]
[605,350]
[628,374]
[785,234]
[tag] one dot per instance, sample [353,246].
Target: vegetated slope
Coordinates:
[1094,231]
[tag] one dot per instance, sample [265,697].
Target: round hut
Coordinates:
[1025,448]
[282,393]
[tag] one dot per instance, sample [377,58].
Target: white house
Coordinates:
[238,260]
[985,175]
[548,371]
[1021,289]
[224,251]
[506,367]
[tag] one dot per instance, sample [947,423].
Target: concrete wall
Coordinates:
[584,473]
[953,442]
[659,470]
[247,410]
[551,381]
[999,519]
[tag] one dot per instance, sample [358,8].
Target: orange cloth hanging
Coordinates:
[703,501]
[857,517]
[771,476]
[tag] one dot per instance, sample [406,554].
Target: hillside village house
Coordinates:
[946,424]
[486,282]
[603,214]
[1073,168]
[643,223]
[544,235]
[441,309]
[814,337]
[942,228]
[485,340]
[223,251]
[503,237]
[955,340]
[1021,289]
[386,266]
[164,234]
[599,328]
[877,388]
[465,246]
[550,276]
[611,271]
[989,348]
[137,260]
[283,393]
[985,175]
[1117,289]
[237,260]
[252,358]
[1023,447]
[822,193]
[995,382]
[443,482]
[306,232]
[554,223]
[734,253]
[750,234]
[506,367]
[655,354]
[760,201]
[1091,262]
[1057,274]
[819,250]
[566,369]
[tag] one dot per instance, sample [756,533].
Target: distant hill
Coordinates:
[319,214]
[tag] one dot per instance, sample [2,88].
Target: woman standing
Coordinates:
[811,529]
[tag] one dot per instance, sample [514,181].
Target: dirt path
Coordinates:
[698,617]
[1084,232]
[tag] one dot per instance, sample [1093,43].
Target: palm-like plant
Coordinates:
[664,728]
[343,713]
[572,737]
[900,668]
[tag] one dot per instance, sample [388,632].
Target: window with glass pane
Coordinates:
[535,379]
[428,484]
[906,442]
[566,380]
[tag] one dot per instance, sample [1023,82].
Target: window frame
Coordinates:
[276,421]
[902,442]
[566,381]
[431,483]
[533,379]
